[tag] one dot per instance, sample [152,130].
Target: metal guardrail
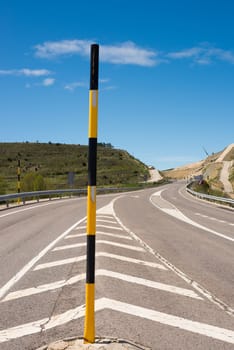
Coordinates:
[228,201]
[24,196]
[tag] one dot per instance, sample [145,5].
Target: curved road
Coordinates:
[164,271]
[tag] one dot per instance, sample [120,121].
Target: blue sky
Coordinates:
[165,81]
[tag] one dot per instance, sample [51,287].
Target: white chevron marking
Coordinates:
[204,329]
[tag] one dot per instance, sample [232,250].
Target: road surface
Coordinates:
[164,271]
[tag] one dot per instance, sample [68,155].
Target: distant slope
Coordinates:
[55,161]
[217,169]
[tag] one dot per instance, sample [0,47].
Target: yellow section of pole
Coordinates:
[91,210]
[93,112]
[89,329]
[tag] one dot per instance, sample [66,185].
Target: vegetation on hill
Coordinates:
[210,168]
[57,166]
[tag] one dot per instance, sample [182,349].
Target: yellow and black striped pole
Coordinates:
[89,327]
[18,179]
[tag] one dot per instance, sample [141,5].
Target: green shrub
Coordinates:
[33,182]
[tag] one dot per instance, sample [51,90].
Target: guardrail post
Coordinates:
[89,327]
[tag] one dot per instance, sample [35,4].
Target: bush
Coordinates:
[33,182]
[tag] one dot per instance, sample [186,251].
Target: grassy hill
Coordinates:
[54,162]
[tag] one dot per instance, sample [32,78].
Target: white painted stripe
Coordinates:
[211,218]
[43,288]
[202,290]
[106,210]
[31,263]
[76,235]
[120,245]
[105,216]
[81,228]
[34,206]
[104,220]
[110,227]
[147,283]
[131,260]
[100,254]
[114,235]
[173,211]
[105,273]
[77,245]
[69,246]
[42,325]
[207,330]
[60,262]
[202,215]
[100,233]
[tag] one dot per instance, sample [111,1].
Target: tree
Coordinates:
[39,183]
[33,182]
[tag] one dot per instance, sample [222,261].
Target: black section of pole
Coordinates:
[94,67]
[92,161]
[90,269]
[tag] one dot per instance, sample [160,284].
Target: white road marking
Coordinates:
[78,235]
[77,245]
[106,210]
[104,216]
[81,228]
[207,330]
[43,324]
[211,218]
[35,207]
[202,290]
[110,227]
[100,254]
[106,273]
[43,288]
[147,283]
[69,246]
[173,211]
[114,235]
[60,262]
[104,220]
[132,260]
[100,233]
[204,329]
[31,263]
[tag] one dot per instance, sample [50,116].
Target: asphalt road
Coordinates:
[164,271]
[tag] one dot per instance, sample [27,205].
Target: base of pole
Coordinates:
[104,343]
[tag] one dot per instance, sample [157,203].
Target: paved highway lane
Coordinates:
[140,293]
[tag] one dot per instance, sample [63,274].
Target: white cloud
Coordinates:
[103,81]
[203,54]
[128,53]
[111,87]
[26,72]
[48,81]
[74,85]
[124,53]
[51,49]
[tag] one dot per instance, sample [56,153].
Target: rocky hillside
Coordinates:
[217,169]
